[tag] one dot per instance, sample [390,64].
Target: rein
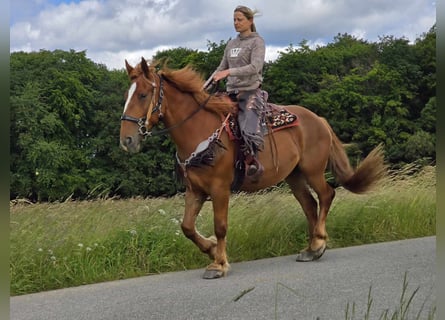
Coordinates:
[158,107]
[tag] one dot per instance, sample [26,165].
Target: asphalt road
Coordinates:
[276,288]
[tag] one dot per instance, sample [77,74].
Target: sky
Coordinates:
[111,31]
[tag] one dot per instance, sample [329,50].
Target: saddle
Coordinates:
[276,118]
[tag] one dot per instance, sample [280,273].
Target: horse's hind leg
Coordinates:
[316,221]
[298,185]
[193,204]
[325,195]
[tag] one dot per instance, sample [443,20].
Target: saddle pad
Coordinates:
[279,118]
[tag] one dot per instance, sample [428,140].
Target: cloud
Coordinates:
[113,30]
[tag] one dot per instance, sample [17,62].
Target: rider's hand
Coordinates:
[221,75]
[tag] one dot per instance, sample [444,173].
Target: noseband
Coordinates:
[157,108]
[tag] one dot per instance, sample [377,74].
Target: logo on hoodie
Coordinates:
[234,52]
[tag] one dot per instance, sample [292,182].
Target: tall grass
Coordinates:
[56,245]
[402,311]
[404,207]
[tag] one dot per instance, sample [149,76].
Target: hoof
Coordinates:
[310,255]
[213,274]
[215,271]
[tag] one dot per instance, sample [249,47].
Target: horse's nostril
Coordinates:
[128,141]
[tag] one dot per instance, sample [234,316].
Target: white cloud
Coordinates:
[112,30]
[116,60]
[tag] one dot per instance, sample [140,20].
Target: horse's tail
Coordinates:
[366,176]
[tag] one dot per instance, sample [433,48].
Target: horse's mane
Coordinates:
[188,80]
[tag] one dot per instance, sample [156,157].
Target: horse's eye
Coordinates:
[143,95]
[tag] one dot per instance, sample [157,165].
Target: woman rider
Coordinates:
[242,65]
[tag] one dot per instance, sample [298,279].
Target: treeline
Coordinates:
[65,112]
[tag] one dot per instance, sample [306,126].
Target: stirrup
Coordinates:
[252,169]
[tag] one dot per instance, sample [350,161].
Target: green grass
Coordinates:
[403,309]
[57,245]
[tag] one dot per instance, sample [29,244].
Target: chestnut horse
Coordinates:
[194,119]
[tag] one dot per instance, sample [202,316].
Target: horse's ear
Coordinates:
[129,68]
[145,68]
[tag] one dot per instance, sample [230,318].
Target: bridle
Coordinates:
[141,122]
[142,130]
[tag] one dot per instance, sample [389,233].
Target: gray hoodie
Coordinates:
[244,56]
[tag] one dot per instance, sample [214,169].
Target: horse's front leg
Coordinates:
[220,265]
[193,204]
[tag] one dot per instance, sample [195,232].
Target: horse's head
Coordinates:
[141,111]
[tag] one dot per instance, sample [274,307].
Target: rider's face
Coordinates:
[240,22]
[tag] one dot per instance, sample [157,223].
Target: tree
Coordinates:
[50,105]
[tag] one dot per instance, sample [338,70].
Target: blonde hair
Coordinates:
[249,14]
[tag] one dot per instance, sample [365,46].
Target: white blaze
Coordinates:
[130,94]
